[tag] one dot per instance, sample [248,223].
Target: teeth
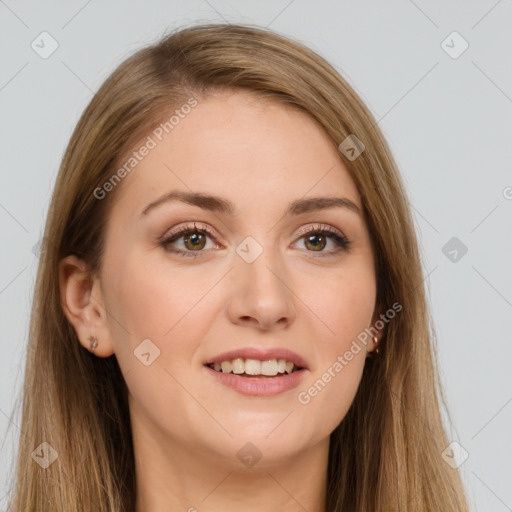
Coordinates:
[252,367]
[238,366]
[226,366]
[269,367]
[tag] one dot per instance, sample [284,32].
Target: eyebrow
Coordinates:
[221,205]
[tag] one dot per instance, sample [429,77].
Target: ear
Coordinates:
[82,301]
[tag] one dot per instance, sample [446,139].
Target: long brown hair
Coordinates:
[386,453]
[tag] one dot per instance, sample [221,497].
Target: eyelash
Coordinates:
[341,241]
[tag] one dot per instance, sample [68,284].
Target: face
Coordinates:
[274,276]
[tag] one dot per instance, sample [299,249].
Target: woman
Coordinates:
[230,309]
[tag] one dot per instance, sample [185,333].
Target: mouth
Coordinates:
[258,372]
[247,378]
[255,368]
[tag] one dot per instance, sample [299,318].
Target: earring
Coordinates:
[94,342]
[376,340]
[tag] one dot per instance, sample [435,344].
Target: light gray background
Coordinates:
[448,122]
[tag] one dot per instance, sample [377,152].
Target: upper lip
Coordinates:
[260,354]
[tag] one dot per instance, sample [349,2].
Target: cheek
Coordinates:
[164,305]
[155,302]
[345,302]
[345,306]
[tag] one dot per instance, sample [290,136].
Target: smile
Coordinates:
[255,367]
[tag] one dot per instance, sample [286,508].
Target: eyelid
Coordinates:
[318,227]
[186,227]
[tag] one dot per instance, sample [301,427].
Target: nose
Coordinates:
[260,293]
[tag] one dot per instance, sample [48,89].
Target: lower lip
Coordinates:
[259,386]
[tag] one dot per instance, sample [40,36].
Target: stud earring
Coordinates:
[376,340]
[94,343]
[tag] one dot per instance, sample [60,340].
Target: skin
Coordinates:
[187,427]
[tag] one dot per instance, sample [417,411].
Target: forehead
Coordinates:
[253,150]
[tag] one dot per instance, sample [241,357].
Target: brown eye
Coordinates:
[321,237]
[194,241]
[315,242]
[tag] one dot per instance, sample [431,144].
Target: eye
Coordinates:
[316,238]
[194,240]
